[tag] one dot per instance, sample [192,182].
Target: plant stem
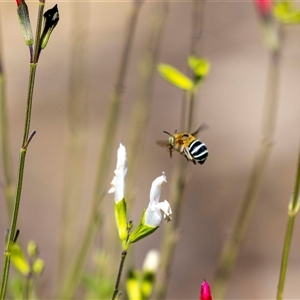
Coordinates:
[179,178]
[76,139]
[9,186]
[116,290]
[25,142]
[171,235]
[27,286]
[104,159]
[232,245]
[292,212]
[142,106]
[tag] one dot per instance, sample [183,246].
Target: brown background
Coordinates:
[231,102]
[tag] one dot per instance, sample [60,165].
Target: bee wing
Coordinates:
[163,144]
[202,127]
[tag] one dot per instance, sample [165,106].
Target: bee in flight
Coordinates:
[187,145]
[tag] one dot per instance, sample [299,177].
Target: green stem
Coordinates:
[25,142]
[232,245]
[5,143]
[76,139]
[32,73]
[27,286]
[38,31]
[142,106]
[116,290]
[292,212]
[179,178]
[104,159]
[171,235]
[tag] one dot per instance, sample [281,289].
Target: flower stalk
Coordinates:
[233,243]
[179,178]
[95,217]
[116,290]
[150,219]
[292,212]
[25,143]
[9,186]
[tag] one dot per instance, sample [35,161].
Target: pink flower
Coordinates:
[264,7]
[205,291]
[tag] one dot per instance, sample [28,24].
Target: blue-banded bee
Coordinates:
[186,144]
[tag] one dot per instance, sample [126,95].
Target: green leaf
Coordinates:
[199,66]
[286,13]
[19,261]
[175,77]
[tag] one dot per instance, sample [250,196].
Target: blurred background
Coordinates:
[230,102]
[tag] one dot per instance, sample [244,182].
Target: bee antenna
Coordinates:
[167,133]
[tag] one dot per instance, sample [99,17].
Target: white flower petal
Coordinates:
[153,216]
[153,213]
[156,188]
[118,182]
[166,208]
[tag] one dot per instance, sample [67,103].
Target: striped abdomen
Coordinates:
[198,151]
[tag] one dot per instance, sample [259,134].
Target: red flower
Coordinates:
[264,7]
[205,293]
[19,2]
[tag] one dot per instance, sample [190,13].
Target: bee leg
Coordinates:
[187,154]
[170,152]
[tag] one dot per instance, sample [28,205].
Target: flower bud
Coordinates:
[25,22]
[205,293]
[51,18]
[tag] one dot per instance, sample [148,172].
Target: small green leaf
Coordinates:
[199,66]
[175,77]
[19,261]
[286,13]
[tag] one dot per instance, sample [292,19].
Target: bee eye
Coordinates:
[186,135]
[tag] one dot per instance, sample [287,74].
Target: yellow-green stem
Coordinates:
[116,290]
[171,235]
[95,217]
[292,212]
[232,245]
[28,282]
[180,172]
[76,140]
[9,186]
[25,142]
[142,106]
[38,31]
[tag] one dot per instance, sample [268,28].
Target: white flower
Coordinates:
[153,212]
[151,261]
[118,182]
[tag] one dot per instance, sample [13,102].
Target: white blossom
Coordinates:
[118,182]
[153,213]
[151,261]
